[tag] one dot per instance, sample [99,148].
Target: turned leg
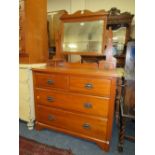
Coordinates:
[117,111]
[30,125]
[121,134]
[117,101]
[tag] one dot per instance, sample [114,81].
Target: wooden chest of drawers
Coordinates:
[79,102]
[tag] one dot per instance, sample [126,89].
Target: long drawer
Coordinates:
[74,102]
[87,125]
[94,86]
[56,81]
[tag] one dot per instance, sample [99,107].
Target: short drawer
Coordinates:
[74,102]
[90,126]
[94,86]
[51,81]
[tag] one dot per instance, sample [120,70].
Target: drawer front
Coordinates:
[73,102]
[51,81]
[89,126]
[93,86]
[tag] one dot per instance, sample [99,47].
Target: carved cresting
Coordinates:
[114,11]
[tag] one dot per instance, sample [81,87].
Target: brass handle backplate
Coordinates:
[51,117]
[50,82]
[86,126]
[50,99]
[88,86]
[88,105]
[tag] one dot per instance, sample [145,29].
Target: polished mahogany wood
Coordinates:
[86,104]
[52,81]
[85,124]
[86,71]
[88,85]
[84,14]
[33,31]
[101,143]
[80,113]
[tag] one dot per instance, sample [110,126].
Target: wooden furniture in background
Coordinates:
[53,27]
[115,20]
[26,98]
[21,26]
[33,44]
[127,111]
[33,52]
[127,100]
[77,101]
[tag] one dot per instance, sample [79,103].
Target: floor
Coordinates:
[77,145]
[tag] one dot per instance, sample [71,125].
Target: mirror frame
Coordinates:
[83,16]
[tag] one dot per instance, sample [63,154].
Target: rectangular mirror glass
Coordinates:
[119,36]
[84,36]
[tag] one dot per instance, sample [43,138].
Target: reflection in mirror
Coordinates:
[83,36]
[119,36]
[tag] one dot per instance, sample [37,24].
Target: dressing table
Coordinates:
[74,98]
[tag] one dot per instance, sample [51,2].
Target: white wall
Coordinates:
[123,5]
[54,5]
[93,5]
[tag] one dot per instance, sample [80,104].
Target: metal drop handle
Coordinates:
[88,86]
[50,99]
[86,126]
[51,117]
[88,105]
[50,82]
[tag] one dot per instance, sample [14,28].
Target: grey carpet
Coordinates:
[77,145]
